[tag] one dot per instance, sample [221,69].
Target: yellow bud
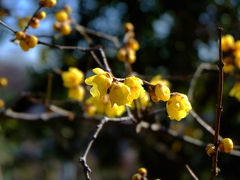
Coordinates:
[57,26]
[47,3]
[2,104]
[210,150]
[143,172]
[131,55]
[61,16]
[20,35]
[34,23]
[31,41]
[133,44]
[24,45]
[68,9]
[227,43]
[41,15]
[65,29]
[122,54]
[3,82]
[128,27]
[136,177]
[226,145]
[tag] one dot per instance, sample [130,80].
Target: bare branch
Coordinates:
[191,172]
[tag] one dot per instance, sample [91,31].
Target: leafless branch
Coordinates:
[191,172]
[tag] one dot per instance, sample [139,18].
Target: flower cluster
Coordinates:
[63,20]
[131,45]
[231,60]
[131,88]
[120,93]
[34,23]
[72,80]
[26,41]
[3,83]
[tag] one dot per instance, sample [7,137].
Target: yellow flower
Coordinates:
[228,42]
[135,85]
[99,104]
[2,104]
[76,93]
[178,106]
[3,82]
[235,91]
[237,62]
[158,80]
[72,77]
[228,65]
[119,94]
[159,92]
[100,82]
[115,110]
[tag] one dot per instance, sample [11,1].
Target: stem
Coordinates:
[49,89]
[219,107]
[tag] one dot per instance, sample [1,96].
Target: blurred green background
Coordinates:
[175,38]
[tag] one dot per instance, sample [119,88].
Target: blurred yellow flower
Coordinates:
[72,77]
[235,91]
[100,82]
[228,65]
[3,82]
[158,80]
[115,110]
[178,106]
[228,43]
[119,94]
[76,93]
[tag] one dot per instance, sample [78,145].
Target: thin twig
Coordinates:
[219,107]
[49,89]
[197,75]
[7,26]
[105,62]
[83,29]
[205,125]
[191,172]
[83,158]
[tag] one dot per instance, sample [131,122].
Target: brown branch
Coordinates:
[49,88]
[197,75]
[83,158]
[191,172]
[219,108]
[7,26]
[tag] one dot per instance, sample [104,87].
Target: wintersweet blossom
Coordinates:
[178,106]
[100,82]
